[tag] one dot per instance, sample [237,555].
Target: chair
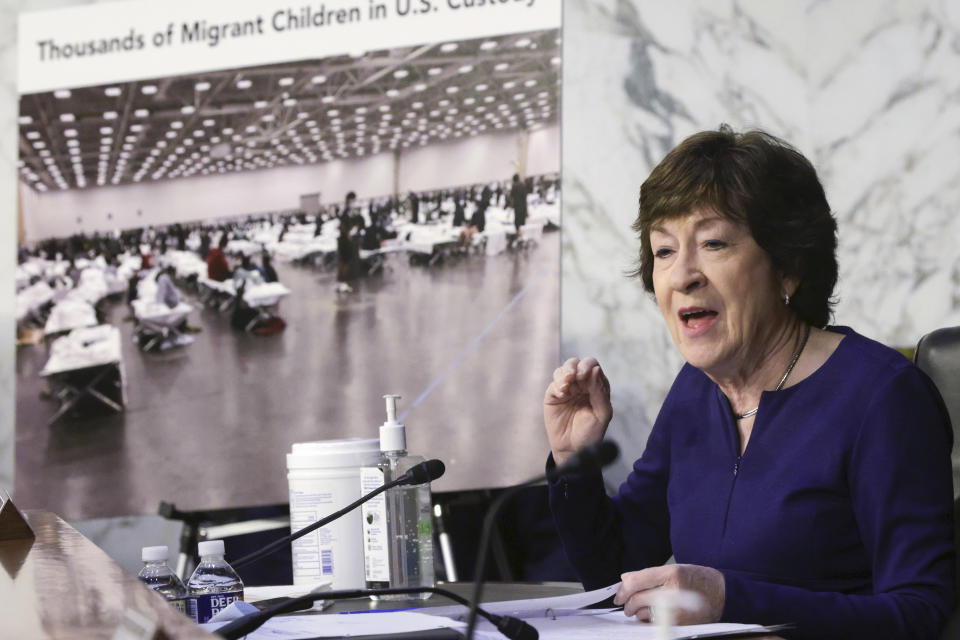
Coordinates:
[938,355]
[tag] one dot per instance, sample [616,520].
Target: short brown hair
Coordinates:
[763,182]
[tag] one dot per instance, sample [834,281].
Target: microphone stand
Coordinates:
[593,456]
[509,626]
[278,544]
[486,532]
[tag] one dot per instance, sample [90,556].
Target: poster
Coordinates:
[352,144]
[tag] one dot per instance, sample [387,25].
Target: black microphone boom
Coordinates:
[590,458]
[513,628]
[426,471]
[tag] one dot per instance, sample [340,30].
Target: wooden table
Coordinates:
[61,585]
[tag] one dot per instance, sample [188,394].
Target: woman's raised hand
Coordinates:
[576,407]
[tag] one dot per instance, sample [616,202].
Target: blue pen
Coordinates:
[382,610]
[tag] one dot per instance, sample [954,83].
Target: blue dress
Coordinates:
[838,517]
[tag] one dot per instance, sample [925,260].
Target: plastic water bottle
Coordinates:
[157,575]
[214,585]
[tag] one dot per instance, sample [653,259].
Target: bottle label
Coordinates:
[312,554]
[203,607]
[376,558]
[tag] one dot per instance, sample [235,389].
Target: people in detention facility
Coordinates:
[798,471]
[217,267]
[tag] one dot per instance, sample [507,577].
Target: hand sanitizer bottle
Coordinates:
[398,524]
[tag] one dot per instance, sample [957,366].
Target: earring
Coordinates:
[786,299]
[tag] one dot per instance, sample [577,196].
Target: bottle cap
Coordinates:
[154,554]
[393,435]
[210,548]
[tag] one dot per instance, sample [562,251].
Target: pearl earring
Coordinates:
[786,299]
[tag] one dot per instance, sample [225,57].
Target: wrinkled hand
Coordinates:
[576,407]
[637,591]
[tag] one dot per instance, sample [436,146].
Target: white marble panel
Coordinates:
[869,91]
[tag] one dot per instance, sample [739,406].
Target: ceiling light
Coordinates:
[25,120]
[502,66]
[434,71]
[244,84]
[289,102]
[106,131]
[61,94]
[555,61]
[448,47]
[267,118]
[327,99]
[285,82]
[33,135]
[187,110]
[176,124]
[467,68]
[112,92]
[171,134]
[67,117]
[318,79]
[141,113]
[452,90]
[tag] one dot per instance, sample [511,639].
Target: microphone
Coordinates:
[513,628]
[591,458]
[426,471]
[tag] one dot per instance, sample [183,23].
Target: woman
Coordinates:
[796,473]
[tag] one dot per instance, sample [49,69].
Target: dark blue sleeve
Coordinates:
[604,537]
[900,485]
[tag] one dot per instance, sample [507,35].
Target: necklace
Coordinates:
[793,363]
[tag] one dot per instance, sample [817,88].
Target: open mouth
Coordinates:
[696,317]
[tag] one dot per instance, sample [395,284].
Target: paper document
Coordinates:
[314,626]
[533,607]
[614,626]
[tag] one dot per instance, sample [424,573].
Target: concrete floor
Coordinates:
[470,345]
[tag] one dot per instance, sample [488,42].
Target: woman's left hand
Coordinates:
[638,588]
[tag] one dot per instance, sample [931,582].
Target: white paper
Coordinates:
[255,594]
[532,607]
[312,626]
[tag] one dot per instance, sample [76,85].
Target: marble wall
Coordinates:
[869,90]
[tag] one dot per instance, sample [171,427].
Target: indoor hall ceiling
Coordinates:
[288,114]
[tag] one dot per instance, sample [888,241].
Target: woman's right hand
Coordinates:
[576,407]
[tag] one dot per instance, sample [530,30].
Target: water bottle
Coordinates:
[214,585]
[158,576]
